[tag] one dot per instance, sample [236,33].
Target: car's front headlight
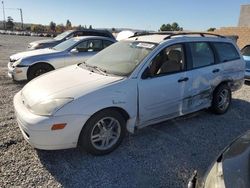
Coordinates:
[215,177]
[17,62]
[36,45]
[50,106]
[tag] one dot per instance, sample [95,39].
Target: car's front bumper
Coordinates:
[17,73]
[37,131]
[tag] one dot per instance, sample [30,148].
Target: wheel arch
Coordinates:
[228,82]
[123,112]
[39,63]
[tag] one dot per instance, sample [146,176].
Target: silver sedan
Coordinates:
[30,64]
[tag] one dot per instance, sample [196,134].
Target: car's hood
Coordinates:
[236,163]
[43,41]
[32,53]
[72,81]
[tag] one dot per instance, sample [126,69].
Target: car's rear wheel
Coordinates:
[221,99]
[38,69]
[103,132]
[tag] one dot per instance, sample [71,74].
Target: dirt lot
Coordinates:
[162,155]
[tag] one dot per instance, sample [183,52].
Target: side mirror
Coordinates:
[74,51]
[146,74]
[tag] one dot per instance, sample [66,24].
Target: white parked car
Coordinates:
[131,84]
[30,64]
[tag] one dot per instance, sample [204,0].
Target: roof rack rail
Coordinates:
[174,33]
[137,34]
[193,33]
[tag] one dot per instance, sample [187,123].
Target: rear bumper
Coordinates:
[36,129]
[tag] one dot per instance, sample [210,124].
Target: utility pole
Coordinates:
[21,13]
[4,22]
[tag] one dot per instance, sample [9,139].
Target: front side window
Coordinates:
[89,46]
[82,47]
[122,57]
[169,60]
[201,54]
[226,51]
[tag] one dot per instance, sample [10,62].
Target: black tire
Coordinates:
[217,102]
[38,69]
[85,143]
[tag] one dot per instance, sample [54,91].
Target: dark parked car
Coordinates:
[230,170]
[49,43]
[246,55]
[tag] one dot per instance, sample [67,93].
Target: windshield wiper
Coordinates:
[103,71]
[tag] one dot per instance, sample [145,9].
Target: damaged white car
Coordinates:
[134,83]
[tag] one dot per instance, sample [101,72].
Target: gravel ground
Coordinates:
[162,155]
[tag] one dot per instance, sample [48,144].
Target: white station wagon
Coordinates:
[137,82]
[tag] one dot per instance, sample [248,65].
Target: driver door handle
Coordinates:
[183,79]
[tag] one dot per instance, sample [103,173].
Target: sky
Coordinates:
[137,14]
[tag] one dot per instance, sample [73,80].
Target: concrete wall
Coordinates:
[244,20]
[242,32]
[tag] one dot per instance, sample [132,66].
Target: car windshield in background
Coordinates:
[121,58]
[66,44]
[62,35]
[246,51]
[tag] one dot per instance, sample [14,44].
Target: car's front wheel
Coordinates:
[221,99]
[103,132]
[38,69]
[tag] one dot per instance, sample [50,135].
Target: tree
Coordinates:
[90,27]
[60,28]
[171,27]
[211,29]
[10,23]
[52,26]
[113,30]
[38,28]
[68,25]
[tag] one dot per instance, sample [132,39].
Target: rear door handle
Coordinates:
[216,70]
[183,79]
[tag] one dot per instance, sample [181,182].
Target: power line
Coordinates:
[4,22]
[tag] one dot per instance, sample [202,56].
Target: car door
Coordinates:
[203,72]
[83,51]
[161,90]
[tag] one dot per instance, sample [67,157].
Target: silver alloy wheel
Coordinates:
[105,133]
[224,99]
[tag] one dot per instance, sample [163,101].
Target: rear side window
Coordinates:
[226,51]
[201,53]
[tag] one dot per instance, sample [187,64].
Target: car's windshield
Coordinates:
[66,44]
[62,35]
[246,51]
[122,57]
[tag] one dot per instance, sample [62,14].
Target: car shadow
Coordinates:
[247,82]
[161,155]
